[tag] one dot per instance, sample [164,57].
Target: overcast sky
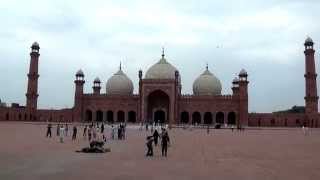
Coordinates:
[264,37]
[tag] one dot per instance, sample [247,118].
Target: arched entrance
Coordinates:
[132,116]
[110,116]
[207,118]
[184,117]
[220,118]
[159,116]
[232,118]
[99,116]
[196,118]
[88,116]
[120,116]
[158,107]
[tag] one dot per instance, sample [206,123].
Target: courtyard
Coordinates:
[278,153]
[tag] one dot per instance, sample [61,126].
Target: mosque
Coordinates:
[159,99]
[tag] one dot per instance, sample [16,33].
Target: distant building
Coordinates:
[160,100]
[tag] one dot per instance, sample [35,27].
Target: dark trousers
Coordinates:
[150,151]
[155,141]
[49,133]
[74,136]
[164,149]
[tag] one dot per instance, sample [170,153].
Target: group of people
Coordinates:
[62,131]
[94,132]
[153,139]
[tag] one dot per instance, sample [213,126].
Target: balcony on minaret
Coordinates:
[35,48]
[96,86]
[235,86]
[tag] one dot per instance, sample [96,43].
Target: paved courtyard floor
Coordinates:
[26,154]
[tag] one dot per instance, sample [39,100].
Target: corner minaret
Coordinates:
[311,98]
[32,91]
[79,82]
[77,108]
[243,98]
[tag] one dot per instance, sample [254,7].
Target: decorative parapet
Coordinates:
[91,95]
[208,97]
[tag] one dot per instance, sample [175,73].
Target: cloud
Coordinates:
[263,37]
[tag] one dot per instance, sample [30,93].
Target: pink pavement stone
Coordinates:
[25,153]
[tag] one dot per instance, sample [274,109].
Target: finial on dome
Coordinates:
[162,52]
[207,67]
[120,68]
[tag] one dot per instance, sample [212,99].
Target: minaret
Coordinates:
[243,98]
[79,87]
[96,86]
[77,109]
[140,115]
[311,98]
[32,91]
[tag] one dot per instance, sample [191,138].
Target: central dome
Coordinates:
[119,84]
[161,70]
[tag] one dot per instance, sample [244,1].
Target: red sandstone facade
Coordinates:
[160,100]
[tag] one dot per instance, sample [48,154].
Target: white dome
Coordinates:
[161,70]
[309,40]
[207,84]
[119,84]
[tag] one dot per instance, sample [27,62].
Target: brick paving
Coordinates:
[255,154]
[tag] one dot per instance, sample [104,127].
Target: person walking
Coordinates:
[102,132]
[90,133]
[155,137]
[49,130]
[102,128]
[124,131]
[58,130]
[66,129]
[74,133]
[112,131]
[61,134]
[120,131]
[208,129]
[165,140]
[149,146]
[85,131]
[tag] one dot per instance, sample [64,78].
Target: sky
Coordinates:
[264,37]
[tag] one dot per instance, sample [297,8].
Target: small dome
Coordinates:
[308,40]
[119,84]
[79,73]
[96,80]
[161,70]
[207,84]
[236,79]
[35,44]
[243,73]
